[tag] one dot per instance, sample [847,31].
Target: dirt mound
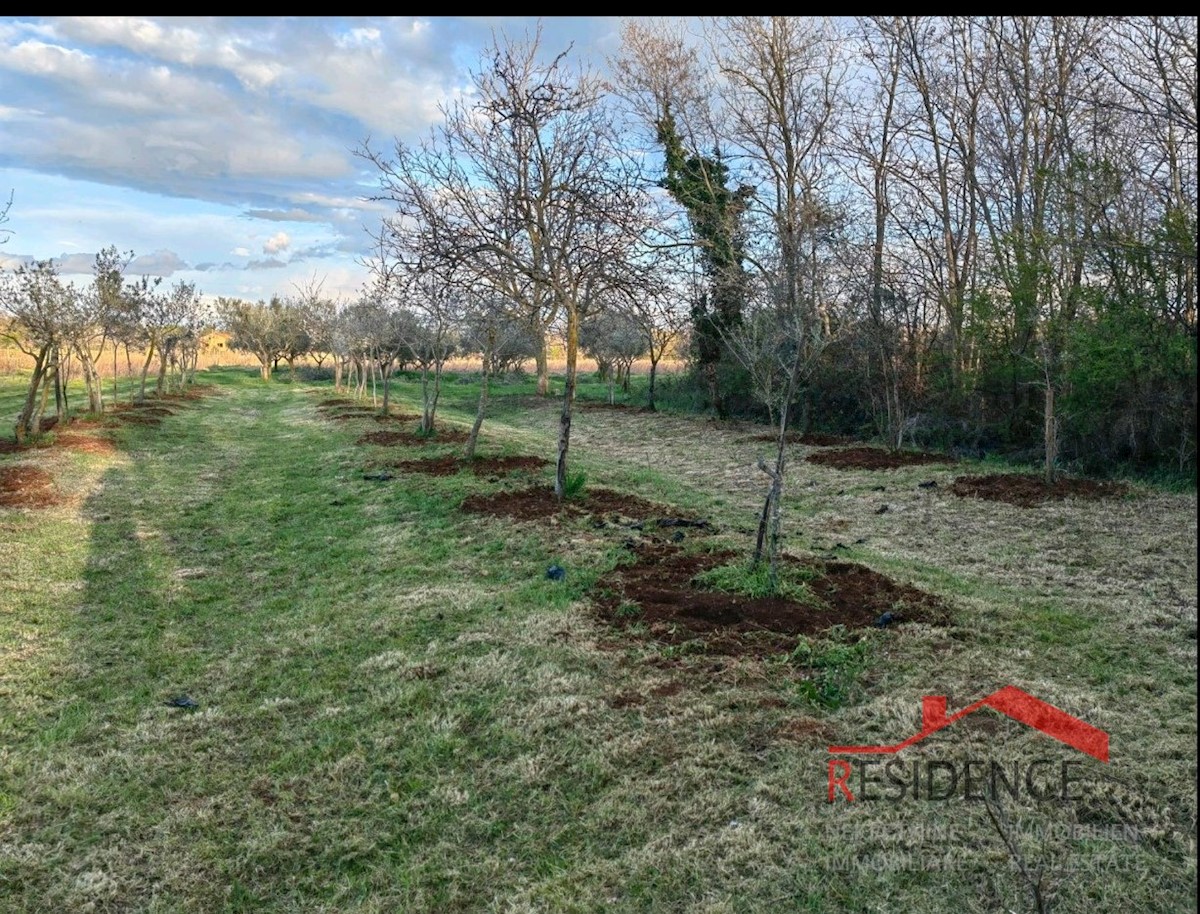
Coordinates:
[810,438]
[539,502]
[336,401]
[480,466]
[658,591]
[27,487]
[1028,491]
[407,439]
[85,443]
[873,458]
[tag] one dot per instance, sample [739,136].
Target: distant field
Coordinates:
[397,708]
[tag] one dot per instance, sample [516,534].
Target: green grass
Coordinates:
[398,712]
[754,580]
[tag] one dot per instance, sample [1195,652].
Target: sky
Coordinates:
[221,151]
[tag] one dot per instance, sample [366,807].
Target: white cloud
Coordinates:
[277,243]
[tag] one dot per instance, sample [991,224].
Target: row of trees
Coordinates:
[968,222]
[62,326]
[990,222]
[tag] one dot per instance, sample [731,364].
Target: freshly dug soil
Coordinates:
[873,458]
[660,584]
[480,466]
[88,444]
[26,487]
[409,439]
[1028,491]
[539,502]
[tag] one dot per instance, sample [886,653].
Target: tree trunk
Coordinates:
[162,373]
[146,370]
[564,422]
[337,375]
[1050,433]
[264,368]
[653,374]
[481,409]
[24,427]
[60,391]
[387,389]
[542,359]
[91,380]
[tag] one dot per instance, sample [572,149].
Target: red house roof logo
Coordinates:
[1014,703]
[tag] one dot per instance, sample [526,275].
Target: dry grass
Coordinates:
[399,713]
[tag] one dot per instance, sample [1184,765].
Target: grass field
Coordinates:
[398,711]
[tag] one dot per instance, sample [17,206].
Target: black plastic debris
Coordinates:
[928,484]
[182,701]
[885,620]
[556,573]
[379,477]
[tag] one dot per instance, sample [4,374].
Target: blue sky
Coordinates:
[220,151]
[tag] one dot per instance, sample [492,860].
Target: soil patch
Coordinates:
[405,439]
[873,458]
[1027,491]
[657,591]
[140,419]
[809,438]
[85,443]
[480,466]
[336,401]
[27,487]
[539,502]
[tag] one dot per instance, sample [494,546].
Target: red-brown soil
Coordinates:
[1027,491]
[88,444]
[26,487]
[480,466]
[404,439]
[873,458]
[660,584]
[539,502]
[812,439]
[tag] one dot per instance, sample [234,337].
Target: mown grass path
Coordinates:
[398,712]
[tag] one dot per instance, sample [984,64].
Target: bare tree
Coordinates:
[529,187]
[491,327]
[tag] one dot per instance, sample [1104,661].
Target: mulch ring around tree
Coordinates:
[873,458]
[1027,491]
[657,592]
[408,439]
[27,487]
[344,414]
[812,439]
[87,444]
[451,464]
[539,502]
